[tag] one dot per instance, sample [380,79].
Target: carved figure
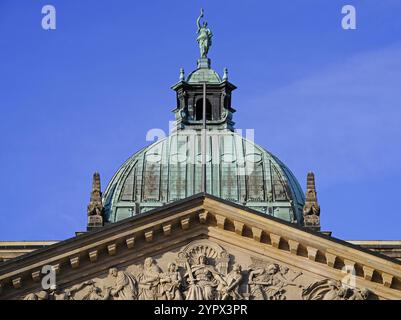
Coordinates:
[171,283]
[95,293]
[230,287]
[203,280]
[68,294]
[41,295]
[333,290]
[56,294]
[124,288]
[149,281]
[360,294]
[268,283]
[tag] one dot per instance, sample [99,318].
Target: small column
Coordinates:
[311,211]
[95,206]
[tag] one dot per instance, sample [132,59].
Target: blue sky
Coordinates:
[81,98]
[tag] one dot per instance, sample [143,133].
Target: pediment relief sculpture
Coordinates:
[270,281]
[204,270]
[333,290]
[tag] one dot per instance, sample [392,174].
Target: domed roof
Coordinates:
[204,75]
[170,169]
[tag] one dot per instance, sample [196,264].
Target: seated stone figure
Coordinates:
[202,279]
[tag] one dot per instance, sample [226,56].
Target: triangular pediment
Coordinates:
[246,255]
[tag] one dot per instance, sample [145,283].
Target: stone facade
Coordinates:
[204,248]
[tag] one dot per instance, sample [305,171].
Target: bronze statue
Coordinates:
[204,37]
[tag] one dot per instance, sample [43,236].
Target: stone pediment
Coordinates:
[203,248]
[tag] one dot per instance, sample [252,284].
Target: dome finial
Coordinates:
[204,36]
[182,74]
[225,75]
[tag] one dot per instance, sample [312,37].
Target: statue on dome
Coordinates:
[204,37]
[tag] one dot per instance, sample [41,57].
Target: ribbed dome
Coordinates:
[170,170]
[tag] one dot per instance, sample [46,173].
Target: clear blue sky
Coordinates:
[81,98]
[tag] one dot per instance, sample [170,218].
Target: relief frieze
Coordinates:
[203,270]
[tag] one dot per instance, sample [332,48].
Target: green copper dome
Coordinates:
[237,170]
[204,74]
[171,169]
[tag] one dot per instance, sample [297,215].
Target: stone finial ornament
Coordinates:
[311,210]
[225,75]
[182,74]
[95,206]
